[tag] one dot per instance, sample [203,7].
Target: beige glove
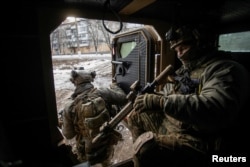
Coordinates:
[148,101]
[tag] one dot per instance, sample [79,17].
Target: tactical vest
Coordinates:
[90,113]
[196,141]
[188,83]
[191,82]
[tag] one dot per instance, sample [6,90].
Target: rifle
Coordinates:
[149,88]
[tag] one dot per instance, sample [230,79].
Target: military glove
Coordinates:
[148,101]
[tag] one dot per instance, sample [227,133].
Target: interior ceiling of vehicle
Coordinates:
[223,12]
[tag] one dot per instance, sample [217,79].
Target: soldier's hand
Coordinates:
[148,101]
[139,103]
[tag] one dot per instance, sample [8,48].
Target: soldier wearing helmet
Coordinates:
[186,122]
[83,114]
[199,39]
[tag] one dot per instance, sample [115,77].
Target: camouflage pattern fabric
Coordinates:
[89,112]
[84,113]
[145,121]
[182,124]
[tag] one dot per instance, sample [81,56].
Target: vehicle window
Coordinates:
[126,48]
[235,42]
[83,43]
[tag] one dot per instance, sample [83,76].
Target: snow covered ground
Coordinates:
[101,63]
[62,66]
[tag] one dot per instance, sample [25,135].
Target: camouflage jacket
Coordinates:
[112,96]
[206,103]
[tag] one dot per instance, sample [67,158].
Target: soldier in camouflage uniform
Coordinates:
[85,112]
[190,119]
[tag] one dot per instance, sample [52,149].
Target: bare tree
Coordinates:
[107,36]
[61,39]
[112,25]
[99,34]
[94,33]
[66,38]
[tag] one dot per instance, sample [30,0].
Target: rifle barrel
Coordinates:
[129,106]
[121,115]
[168,70]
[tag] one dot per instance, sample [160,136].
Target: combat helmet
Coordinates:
[178,35]
[202,36]
[81,76]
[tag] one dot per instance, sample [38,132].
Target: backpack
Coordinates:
[90,112]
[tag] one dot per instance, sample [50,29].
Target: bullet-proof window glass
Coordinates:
[235,42]
[126,48]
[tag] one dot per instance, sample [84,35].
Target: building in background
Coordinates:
[79,36]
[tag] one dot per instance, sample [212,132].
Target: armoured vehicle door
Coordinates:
[135,56]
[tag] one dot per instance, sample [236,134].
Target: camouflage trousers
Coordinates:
[102,155]
[163,144]
[166,134]
[155,121]
[151,120]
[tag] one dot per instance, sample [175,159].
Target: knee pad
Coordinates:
[144,143]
